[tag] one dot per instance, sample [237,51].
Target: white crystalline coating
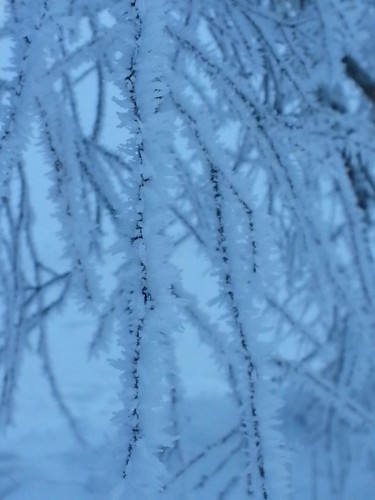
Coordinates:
[188,187]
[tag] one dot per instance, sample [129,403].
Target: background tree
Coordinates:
[245,142]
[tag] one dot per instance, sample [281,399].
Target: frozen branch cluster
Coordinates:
[240,131]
